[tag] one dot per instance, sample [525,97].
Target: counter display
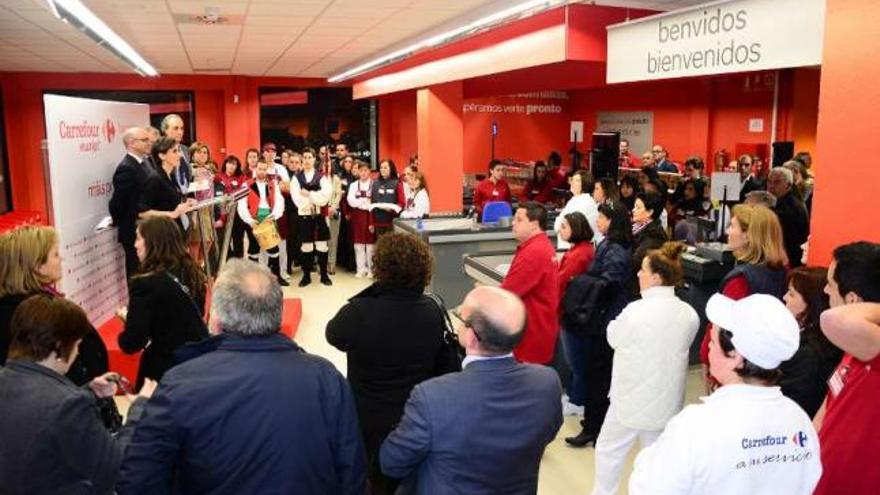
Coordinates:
[450,238]
[702,277]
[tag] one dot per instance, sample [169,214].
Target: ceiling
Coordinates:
[304,38]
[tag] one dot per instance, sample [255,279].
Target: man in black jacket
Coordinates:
[791,212]
[249,412]
[128,181]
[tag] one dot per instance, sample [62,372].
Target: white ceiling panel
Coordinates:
[314,38]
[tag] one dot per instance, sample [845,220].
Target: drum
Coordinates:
[266,234]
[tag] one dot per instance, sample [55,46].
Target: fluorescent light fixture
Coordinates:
[531,6]
[80,17]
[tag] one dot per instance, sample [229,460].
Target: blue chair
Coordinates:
[494,210]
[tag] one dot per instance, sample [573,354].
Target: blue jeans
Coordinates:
[576,348]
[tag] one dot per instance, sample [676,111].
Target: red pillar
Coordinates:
[440,129]
[847,175]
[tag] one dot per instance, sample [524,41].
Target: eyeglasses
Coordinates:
[656,151]
[468,323]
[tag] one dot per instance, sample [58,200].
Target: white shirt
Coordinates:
[140,159]
[743,439]
[280,171]
[311,204]
[472,359]
[585,204]
[651,339]
[277,210]
[416,206]
[360,186]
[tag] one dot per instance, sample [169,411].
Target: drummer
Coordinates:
[259,210]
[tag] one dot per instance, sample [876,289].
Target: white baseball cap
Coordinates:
[764,330]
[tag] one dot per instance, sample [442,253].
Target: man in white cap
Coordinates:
[746,437]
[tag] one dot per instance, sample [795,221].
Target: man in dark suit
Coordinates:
[791,212]
[483,430]
[247,411]
[128,181]
[172,126]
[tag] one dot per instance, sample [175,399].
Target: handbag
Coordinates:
[109,414]
[451,353]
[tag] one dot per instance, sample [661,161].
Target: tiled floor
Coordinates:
[564,470]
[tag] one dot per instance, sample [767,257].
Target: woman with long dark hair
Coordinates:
[611,263]
[161,195]
[387,192]
[805,375]
[166,300]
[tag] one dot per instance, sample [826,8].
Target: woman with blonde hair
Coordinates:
[755,237]
[29,265]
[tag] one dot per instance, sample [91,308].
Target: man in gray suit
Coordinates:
[482,430]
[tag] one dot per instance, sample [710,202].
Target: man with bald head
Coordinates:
[128,181]
[482,430]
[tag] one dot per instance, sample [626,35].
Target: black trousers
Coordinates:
[236,241]
[294,253]
[132,263]
[598,360]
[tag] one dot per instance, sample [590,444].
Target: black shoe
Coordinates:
[306,280]
[581,440]
[326,280]
[283,283]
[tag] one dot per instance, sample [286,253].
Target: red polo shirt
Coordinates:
[850,434]
[487,191]
[533,276]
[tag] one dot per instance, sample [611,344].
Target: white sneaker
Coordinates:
[370,275]
[360,275]
[569,409]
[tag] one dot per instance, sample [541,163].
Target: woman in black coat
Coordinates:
[648,233]
[161,196]
[805,375]
[391,333]
[611,263]
[166,299]
[30,264]
[53,439]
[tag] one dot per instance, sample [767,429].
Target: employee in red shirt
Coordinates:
[533,277]
[626,158]
[850,432]
[493,188]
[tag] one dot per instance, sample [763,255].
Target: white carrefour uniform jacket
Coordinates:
[743,439]
[311,204]
[651,338]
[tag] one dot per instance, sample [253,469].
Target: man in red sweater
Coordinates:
[493,188]
[850,432]
[533,276]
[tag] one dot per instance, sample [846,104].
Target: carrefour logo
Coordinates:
[800,439]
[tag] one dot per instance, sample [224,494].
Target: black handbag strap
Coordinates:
[187,293]
[449,330]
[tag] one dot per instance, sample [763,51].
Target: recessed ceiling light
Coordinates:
[76,14]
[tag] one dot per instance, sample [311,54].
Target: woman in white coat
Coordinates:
[417,202]
[581,186]
[651,339]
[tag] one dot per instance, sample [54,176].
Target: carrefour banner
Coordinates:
[84,139]
[717,38]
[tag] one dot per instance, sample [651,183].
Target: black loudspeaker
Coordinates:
[783,151]
[604,155]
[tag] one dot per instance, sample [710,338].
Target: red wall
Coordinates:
[220,122]
[844,201]
[398,139]
[696,116]
[521,136]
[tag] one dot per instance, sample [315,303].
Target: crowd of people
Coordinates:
[231,405]
[316,208]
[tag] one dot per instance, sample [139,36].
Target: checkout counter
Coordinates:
[450,239]
[704,267]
